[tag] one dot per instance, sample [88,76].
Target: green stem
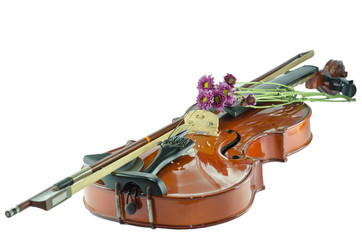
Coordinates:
[270,83]
[274,105]
[286,95]
[274,100]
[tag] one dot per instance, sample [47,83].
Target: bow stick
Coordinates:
[284,67]
[64,189]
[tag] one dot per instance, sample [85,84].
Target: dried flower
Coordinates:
[206,82]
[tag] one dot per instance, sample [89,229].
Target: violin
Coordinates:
[205,167]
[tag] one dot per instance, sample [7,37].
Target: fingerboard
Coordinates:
[290,78]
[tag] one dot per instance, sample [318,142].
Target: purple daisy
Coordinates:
[226,88]
[206,82]
[228,92]
[230,79]
[205,99]
[230,100]
[243,102]
[219,100]
[251,100]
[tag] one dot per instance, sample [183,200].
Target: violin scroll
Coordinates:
[336,68]
[332,80]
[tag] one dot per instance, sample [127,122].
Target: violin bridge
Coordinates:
[200,122]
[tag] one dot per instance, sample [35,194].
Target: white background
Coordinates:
[82,77]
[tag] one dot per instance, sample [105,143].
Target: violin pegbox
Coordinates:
[201,122]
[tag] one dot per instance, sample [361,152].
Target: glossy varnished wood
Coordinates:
[205,187]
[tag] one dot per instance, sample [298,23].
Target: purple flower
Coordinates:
[219,100]
[251,100]
[243,102]
[228,92]
[248,101]
[205,99]
[230,80]
[230,100]
[226,88]
[206,82]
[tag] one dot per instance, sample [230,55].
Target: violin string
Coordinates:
[185,124]
[196,130]
[179,128]
[178,125]
[204,121]
[178,131]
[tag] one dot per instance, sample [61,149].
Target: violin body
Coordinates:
[208,186]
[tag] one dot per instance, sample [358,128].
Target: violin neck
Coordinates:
[290,78]
[293,78]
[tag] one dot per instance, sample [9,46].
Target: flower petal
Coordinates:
[230,79]
[205,99]
[206,82]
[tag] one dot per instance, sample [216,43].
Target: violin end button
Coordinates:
[131,208]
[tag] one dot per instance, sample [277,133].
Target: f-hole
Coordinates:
[231,144]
